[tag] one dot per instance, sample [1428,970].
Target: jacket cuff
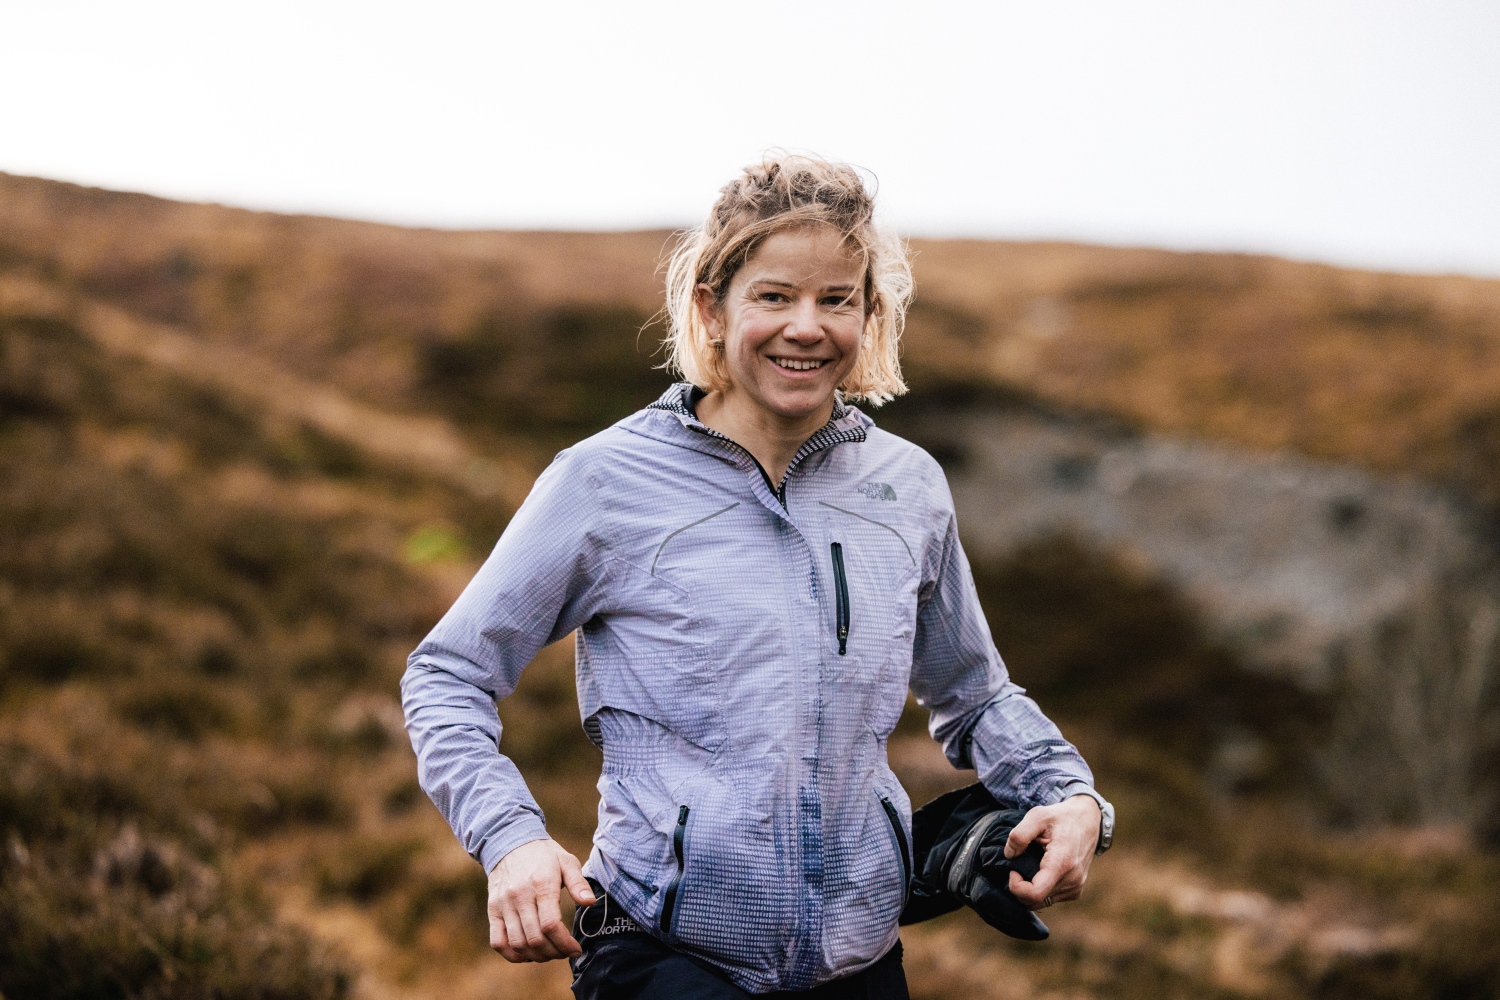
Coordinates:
[1072,788]
[508,838]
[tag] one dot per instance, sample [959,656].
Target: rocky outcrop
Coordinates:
[1288,557]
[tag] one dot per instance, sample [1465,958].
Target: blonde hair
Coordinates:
[780,193]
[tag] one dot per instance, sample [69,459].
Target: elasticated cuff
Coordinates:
[1064,792]
[502,842]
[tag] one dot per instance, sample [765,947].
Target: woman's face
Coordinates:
[791,322]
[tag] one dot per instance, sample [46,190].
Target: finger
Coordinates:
[1066,895]
[544,902]
[1067,888]
[515,937]
[1027,895]
[1033,894]
[555,931]
[1070,884]
[1022,890]
[499,940]
[1059,877]
[573,878]
[538,948]
[1032,825]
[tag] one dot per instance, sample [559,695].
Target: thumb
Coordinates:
[573,878]
[1030,827]
[1035,892]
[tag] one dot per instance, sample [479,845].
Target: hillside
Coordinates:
[246,460]
[1397,372]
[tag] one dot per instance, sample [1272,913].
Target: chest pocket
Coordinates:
[872,574]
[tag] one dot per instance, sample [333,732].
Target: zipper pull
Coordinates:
[841,597]
[679,851]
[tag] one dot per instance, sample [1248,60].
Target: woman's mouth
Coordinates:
[799,364]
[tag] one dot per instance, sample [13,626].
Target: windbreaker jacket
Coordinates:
[742,657]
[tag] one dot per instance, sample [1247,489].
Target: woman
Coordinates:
[755,574]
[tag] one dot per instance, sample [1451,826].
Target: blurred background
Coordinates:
[1207,338]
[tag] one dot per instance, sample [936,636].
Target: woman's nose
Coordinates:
[804,325]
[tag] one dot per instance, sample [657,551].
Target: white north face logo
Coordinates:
[878,491]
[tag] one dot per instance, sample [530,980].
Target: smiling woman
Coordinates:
[787,332]
[787,293]
[794,195]
[756,575]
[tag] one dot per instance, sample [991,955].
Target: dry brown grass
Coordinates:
[235,489]
[1398,372]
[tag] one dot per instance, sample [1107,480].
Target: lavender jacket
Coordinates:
[742,657]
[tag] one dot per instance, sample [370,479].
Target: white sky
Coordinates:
[1363,132]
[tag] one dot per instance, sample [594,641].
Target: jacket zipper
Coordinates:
[669,901]
[895,818]
[841,597]
[779,492]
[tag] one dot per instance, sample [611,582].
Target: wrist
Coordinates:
[1106,814]
[495,853]
[1084,802]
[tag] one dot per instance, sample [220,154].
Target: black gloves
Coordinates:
[959,841]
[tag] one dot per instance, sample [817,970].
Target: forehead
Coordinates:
[808,254]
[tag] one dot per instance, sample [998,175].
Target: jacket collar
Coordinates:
[671,420]
[682,399]
[845,424]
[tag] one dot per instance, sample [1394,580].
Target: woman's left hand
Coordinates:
[1069,831]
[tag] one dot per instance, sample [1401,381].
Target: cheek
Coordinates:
[750,335]
[851,337]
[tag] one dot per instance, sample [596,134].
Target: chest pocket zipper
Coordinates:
[841,598]
[679,849]
[895,817]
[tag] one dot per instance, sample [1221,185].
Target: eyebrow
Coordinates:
[849,289]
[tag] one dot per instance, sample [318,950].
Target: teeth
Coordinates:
[797,366]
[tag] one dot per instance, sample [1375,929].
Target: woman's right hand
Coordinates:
[526,922]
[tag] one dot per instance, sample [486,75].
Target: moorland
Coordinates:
[246,461]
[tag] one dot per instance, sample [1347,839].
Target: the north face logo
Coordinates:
[878,491]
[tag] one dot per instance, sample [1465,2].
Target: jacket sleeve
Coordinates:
[979,715]
[540,583]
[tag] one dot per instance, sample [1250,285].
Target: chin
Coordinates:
[802,396]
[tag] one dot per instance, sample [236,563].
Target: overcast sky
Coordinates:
[1363,132]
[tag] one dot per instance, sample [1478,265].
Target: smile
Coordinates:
[799,364]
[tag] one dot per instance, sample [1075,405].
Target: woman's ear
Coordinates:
[708,311]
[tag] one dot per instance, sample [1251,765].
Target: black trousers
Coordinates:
[622,962]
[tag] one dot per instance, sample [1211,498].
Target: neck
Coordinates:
[773,438]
